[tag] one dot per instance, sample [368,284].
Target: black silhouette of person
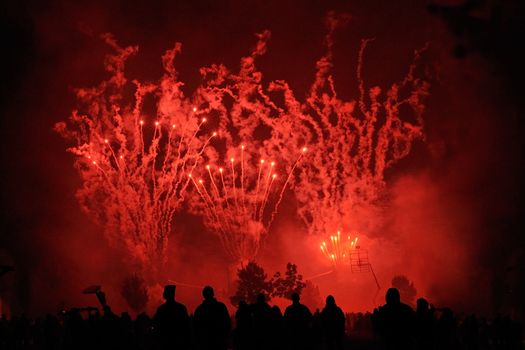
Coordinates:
[333,324]
[394,322]
[243,329]
[212,323]
[424,325]
[297,322]
[171,322]
[109,328]
[262,324]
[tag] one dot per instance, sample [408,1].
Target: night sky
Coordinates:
[456,208]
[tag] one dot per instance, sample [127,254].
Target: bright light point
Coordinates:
[203,120]
[173,126]
[121,157]
[156,123]
[231,159]
[220,169]
[141,122]
[214,134]
[200,181]
[208,167]
[274,176]
[305,149]
[242,146]
[89,157]
[189,175]
[106,140]
[94,162]
[272,163]
[194,109]
[262,161]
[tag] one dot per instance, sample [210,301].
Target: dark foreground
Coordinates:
[260,326]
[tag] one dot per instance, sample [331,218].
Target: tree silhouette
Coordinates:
[291,283]
[407,290]
[135,293]
[252,280]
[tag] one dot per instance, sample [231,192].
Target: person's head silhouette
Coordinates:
[330,300]
[207,293]
[261,298]
[422,304]
[295,298]
[392,296]
[169,292]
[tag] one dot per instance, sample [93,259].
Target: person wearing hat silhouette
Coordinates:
[171,322]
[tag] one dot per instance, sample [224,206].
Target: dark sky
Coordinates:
[471,167]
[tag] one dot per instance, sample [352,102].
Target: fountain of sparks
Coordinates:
[338,250]
[133,166]
[240,200]
[344,253]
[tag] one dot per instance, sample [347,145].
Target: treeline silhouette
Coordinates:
[394,325]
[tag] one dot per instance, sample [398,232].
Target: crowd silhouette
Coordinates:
[394,325]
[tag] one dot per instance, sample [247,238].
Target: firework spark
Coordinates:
[338,250]
[240,200]
[354,141]
[134,165]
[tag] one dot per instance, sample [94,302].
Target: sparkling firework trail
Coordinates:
[342,181]
[338,250]
[353,142]
[134,160]
[242,211]
[133,165]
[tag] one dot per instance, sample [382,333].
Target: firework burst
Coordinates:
[355,141]
[240,199]
[134,162]
[338,249]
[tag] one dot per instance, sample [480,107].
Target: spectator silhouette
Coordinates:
[243,330]
[394,322]
[262,324]
[333,324]
[212,323]
[424,324]
[297,322]
[142,329]
[109,325]
[446,330]
[74,330]
[51,333]
[171,322]
[277,327]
